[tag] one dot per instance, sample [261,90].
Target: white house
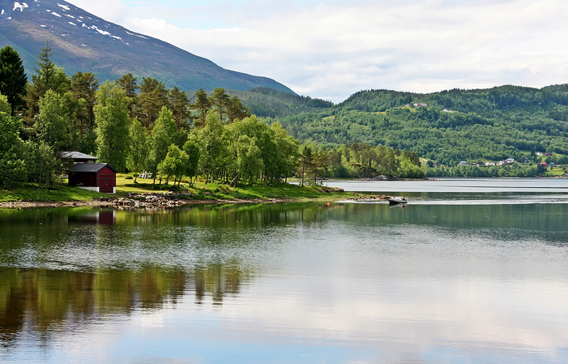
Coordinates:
[490,164]
[510,161]
[420,105]
[463,163]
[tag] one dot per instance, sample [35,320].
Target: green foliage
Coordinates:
[138,147]
[152,99]
[161,139]
[191,148]
[113,126]
[12,165]
[13,77]
[53,125]
[174,164]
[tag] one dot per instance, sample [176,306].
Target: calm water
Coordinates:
[454,282]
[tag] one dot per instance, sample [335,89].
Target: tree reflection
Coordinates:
[43,301]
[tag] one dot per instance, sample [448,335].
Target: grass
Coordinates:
[555,172]
[199,191]
[31,193]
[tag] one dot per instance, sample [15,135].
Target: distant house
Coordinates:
[77,157]
[527,161]
[544,164]
[549,154]
[500,163]
[417,105]
[552,165]
[539,154]
[99,177]
[510,161]
[490,164]
[446,110]
[463,163]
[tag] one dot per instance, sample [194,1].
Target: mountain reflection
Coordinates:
[44,301]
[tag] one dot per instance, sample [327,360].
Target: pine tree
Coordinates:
[113,126]
[48,77]
[129,84]
[236,110]
[13,79]
[202,105]
[153,97]
[220,100]
[180,107]
[84,87]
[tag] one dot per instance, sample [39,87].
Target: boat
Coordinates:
[398,201]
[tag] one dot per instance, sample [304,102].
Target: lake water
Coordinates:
[452,278]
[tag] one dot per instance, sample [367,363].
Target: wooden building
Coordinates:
[99,177]
[77,157]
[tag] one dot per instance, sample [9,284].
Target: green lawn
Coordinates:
[199,191]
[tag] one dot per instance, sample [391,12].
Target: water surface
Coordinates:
[295,283]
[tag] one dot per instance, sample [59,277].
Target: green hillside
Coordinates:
[457,125]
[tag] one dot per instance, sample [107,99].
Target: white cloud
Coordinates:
[334,49]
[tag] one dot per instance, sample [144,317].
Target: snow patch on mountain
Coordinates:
[136,35]
[64,7]
[21,6]
[54,13]
[72,24]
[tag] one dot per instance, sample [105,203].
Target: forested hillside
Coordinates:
[449,126]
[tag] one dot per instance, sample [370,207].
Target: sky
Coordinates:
[335,48]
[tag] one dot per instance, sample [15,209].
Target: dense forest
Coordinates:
[169,134]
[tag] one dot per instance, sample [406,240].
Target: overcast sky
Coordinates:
[335,48]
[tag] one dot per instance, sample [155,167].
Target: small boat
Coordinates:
[398,201]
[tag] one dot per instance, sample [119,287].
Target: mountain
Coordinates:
[450,126]
[84,42]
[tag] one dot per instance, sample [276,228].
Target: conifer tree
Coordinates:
[153,97]
[13,77]
[180,107]
[130,85]
[202,105]
[84,87]
[220,100]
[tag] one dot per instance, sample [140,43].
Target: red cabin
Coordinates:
[99,177]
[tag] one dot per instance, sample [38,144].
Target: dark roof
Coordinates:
[76,155]
[90,167]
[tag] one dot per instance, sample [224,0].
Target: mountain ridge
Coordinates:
[81,41]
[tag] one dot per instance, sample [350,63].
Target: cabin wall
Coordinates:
[83,179]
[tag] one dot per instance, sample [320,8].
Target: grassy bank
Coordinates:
[199,191]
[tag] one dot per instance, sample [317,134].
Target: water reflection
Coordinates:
[300,282]
[46,301]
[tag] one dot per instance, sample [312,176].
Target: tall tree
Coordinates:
[13,77]
[236,110]
[191,148]
[129,84]
[53,123]
[160,140]
[84,87]
[220,100]
[12,165]
[48,77]
[138,148]
[213,147]
[202,105]
[153,97]
[180,107]
[113,126]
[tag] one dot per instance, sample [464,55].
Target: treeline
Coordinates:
[134,127]
[366,161]
[145,127]
[267,102]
